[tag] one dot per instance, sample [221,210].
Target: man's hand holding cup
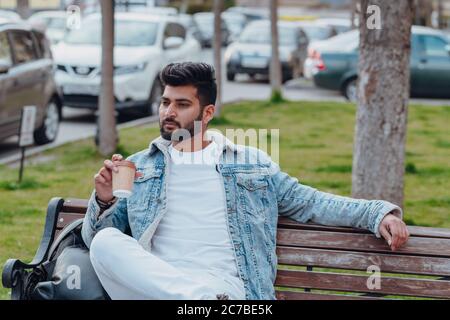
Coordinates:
[115,179]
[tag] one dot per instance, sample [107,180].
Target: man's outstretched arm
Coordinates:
[303,203]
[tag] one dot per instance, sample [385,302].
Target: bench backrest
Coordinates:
[323,262]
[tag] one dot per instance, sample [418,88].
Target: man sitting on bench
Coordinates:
[202,217]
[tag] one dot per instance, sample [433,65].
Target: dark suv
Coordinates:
[27,79]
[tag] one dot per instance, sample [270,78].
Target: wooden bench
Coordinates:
[315,262]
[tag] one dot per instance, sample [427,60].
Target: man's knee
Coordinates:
[103,243]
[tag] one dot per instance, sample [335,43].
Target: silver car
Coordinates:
[27,79]
[252,52]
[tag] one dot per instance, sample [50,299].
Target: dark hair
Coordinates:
[200,75]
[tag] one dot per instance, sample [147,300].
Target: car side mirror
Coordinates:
[173,42]
[4,68]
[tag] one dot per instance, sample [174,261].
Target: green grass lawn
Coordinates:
[316,142]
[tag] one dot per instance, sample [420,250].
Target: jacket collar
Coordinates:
[212,134]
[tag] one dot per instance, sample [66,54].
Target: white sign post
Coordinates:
[26,133]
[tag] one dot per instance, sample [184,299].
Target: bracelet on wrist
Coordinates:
[105,205]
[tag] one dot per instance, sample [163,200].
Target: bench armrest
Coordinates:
[15,274]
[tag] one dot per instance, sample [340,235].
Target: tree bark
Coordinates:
[217,48]
[275,65]
[108,137]
[23,8]
[383,93]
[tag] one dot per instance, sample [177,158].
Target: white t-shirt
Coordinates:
[193,234]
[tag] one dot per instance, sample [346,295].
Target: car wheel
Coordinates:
[231,76]
[351,90]
[153,101]
[49,130]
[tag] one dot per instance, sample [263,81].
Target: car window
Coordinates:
[317,32]
[43,46]
[23,47]
[416,45]
[435,46]
[261,34]
[174,30]
[5,50]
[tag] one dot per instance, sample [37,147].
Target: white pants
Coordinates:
[128,272]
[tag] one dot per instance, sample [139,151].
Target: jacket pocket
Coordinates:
[148,173]
[252,182]
[145,186]
[252,189]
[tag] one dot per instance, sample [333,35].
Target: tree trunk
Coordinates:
[217,48]
[108,137]
[440,11]
[275,65]
[23,8]
[383,92]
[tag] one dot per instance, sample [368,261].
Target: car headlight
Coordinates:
[130,69]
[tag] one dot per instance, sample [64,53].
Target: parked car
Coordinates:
[144,44]
[336,64]
[251,54]
[235,22]
[161,11]
[205,23]
[317,31]
[251,13]
[27,79]
[338,24]
[187,20]
[341,42]
[54,23]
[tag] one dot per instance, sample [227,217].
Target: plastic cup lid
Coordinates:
[121,193]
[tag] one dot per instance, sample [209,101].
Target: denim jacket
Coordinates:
[256,193]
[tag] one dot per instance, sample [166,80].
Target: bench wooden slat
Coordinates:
[65,218]
[362,260]
[291,295]
[75,205]
[356,283]
[413,230]
[361,242]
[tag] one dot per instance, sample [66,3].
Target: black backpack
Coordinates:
[70,275]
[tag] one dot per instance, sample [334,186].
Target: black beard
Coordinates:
[167,135]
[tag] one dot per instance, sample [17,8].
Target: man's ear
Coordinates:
[208,112]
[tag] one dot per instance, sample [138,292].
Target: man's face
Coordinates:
[179,108]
